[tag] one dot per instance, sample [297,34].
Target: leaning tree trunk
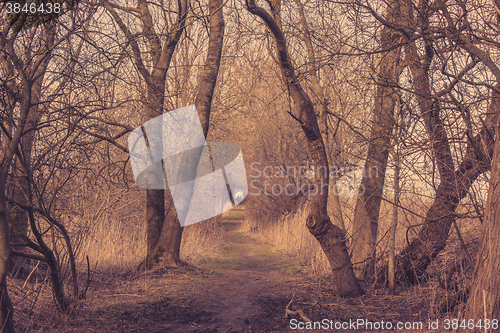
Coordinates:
[366,213]
[454,185]
[431,239]
[484,296]
[330,237]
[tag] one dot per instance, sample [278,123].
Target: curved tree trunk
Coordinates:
[330,237]
[366,213]
[431,239]
[333,207]
[454,185]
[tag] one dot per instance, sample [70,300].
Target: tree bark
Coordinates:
[6,309]
[10,142]
[19,217]
[392,232]
[8,148]
[166,237]
[431,239]
[484,296]
[160,249]
[366,213]
[330,237]
[333,207]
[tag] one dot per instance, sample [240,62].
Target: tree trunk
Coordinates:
[6,309]
[366,213]
[330,237]
[484,296]
[392,232]
[431,239]
[454,185]
[19,217]
[9,143]
[333,207]
[166,236]
[161,56]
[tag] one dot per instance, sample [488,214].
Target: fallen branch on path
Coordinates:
[289,312]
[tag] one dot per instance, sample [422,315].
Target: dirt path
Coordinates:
[242,290]
[246,277]
[245,289]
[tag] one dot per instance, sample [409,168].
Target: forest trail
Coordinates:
[244,289]
[246,275]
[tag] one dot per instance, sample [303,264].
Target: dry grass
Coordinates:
[121,246]
[114,250]
[114,245]
[201,241]
[290,235]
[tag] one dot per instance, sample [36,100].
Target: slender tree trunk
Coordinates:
[6,309]
[392,233]
[18,219]
[166,236]
[211,69]
[366,213]
[330,237]
[334,208]
[484,296]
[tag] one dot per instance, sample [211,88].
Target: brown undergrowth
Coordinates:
[244,287]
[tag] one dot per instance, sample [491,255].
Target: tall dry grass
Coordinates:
[121,246]
[201,241]
[113,245]
[290,235]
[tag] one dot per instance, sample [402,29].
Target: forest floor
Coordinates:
[245,289]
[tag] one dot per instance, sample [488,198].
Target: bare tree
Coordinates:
[17,117]
[330,237]
[171,232]
[454,184]
[365,223]
[484,295]
[163,236]
[322,113]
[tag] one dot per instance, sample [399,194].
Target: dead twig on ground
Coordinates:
[289,312]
